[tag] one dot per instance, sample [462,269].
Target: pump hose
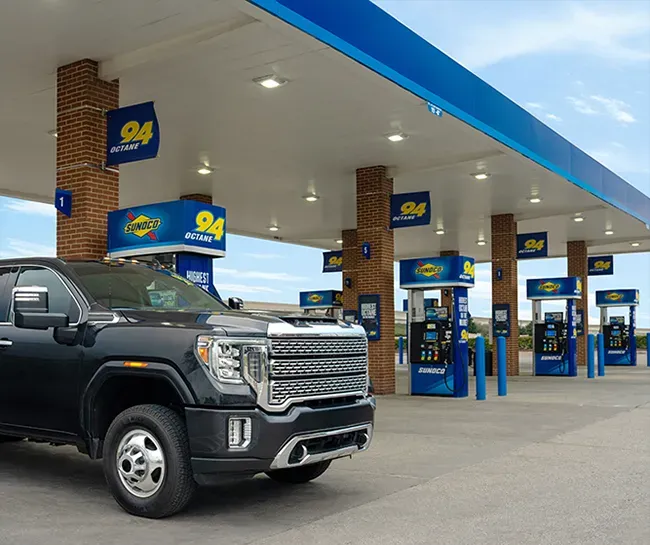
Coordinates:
[462,384]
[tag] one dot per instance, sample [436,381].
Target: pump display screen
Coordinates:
[437,313]
[617,320]
[553,317]
[616,332]
[551,333]
[431,336]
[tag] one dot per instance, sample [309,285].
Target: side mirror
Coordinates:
[31,309]
[235,303]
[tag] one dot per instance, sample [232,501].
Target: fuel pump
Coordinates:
[619,337]
[437,336]
[327,302]
[554,337]
[181,236]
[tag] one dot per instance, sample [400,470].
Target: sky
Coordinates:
[581,67]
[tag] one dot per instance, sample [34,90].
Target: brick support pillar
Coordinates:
[199,197]
[577,266]
[80,151]
[376,275]
[350,256]
[445,298]
[504,257]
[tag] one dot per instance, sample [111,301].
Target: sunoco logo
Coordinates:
[431,371]
[613,296]
[142,226]
[428,270]
[315,298]
[551,358]
[549,287]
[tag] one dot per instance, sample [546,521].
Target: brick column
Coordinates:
[576,251]
[504,257]
[199,197]
[350,256]
[446,300]
[81,98]
[376,275]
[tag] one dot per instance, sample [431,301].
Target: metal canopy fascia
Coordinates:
[359,29]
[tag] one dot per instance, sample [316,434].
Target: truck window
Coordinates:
[61,301]
[5,295]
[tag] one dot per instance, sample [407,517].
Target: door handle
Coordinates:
[5,343]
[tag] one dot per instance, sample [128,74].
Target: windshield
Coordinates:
[127,286]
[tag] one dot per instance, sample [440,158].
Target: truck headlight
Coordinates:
[231,361]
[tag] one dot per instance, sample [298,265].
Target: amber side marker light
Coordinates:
[136,364]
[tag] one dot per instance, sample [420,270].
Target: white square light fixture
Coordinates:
[397,136]
[480,176]
[204,170]
[271,81]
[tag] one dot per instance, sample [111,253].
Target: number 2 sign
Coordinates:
[132,134]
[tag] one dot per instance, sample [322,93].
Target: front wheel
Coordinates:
[146,461]
[301,474]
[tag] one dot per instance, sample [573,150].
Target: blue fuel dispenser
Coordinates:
[554,338]
[329,302]
[437,336]
[619,337]
[181,236]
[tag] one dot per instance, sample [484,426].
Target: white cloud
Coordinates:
[582,106]
[553,117]
[23,248]
[534,106]
[263,256]
[618,159]
[600,31]
[617,109]
[31,207]
[600,105]
[244,288]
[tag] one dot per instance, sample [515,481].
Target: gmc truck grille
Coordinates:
[317,368]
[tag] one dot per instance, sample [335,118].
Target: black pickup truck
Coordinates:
[172,388]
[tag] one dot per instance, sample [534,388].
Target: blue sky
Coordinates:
[583,68]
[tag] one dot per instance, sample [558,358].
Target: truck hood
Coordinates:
[229,322]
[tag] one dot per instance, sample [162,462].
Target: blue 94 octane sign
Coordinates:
[132,134]
[410,209]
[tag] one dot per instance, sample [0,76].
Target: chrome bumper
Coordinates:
[296,451]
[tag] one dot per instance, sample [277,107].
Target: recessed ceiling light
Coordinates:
[204,170]
[273,228]
[440,232]
[270,82]
[635,244]
[397,137]
[54,133]
[481,175]
[339,241]
[481,242]
[311,197]
[578,219]
[609,232]
[534,200]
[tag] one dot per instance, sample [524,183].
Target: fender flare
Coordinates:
[112,369]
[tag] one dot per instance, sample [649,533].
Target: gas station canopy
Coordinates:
[348,76]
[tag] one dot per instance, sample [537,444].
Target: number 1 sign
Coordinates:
[63,202]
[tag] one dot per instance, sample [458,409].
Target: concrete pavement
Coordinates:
[559,461]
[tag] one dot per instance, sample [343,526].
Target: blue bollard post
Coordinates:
[400,348]
[501,367]
[480,368]
[591,342]
[647,349]
[601,355]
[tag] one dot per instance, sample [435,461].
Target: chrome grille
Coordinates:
[305,347]
[285,390]
[330,366]
[307,368]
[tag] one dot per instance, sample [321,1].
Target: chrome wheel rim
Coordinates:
[140,463]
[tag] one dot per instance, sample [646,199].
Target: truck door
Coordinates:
[38,372]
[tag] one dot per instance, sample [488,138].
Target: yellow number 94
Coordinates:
[132,132]
[468,268]
[412,209]
[532,244]
[206,223]
[336,261]
[602,264]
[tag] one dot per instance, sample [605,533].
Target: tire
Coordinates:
[144,435]
[299,475]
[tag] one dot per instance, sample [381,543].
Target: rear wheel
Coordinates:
[299,475]
[147,461]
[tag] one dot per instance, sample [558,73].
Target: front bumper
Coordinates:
[325,433]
